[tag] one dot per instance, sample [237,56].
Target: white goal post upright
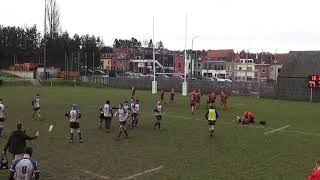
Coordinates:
[154,82]
[185,84]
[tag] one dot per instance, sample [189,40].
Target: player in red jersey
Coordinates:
[172,94]
[211,99]
[224,99]
[161,96]
[248,118]
[193,99]
[198,97]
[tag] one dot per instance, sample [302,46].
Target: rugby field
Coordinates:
[286,148]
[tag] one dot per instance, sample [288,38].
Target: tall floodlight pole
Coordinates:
[154,82]
[184,84]
[44,40]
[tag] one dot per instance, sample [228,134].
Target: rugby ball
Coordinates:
[50,128]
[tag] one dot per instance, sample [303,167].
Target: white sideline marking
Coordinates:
[96,175]
[284,127]
[144,172]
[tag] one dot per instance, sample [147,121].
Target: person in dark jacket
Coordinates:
[17,142]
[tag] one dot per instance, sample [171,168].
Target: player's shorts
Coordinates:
[211,102]
[101,116]
[172,98]
[211,123]
[36,108]
[135,114]
[74,125]
[123,123]
[158,117]
[161,97]
[193,104]
[107,118]
[2,119]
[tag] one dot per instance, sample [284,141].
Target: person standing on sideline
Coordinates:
[212,116]
[17,142]
[74,115]
[25,168]
[3,115]
[36,106]
[123,115]
[133,92]
[172,94]
[107,115]
[161,95]
[315,175]
[158,110]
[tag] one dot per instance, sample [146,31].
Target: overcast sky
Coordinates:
[235,24]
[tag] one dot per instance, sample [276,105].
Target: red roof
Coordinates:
[222,53]
[237,58]
[281,58]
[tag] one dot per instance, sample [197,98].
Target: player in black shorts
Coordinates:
[74,116]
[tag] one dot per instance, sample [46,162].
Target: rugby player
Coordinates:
[123,115]
[158,110]
[172,94]
[36,106]
[211,116]
[224,99]
[74,116]
[107,115]
[3,115]
[135,113]
[193,99]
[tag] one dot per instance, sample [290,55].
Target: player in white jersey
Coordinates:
[106,109]
[3,115]
[158,110]
[36,106]
[25,168]
[136,112]
[127,108]
[74,116]
[123,116]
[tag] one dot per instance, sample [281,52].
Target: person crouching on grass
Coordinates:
[158,110]
[212,116]
[74,115]
[248,118]
[123,115]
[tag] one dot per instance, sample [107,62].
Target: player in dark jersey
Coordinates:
[172,94]
[127,108]
[74,115]
[158,110]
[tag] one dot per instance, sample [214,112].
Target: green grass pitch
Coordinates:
[183,148]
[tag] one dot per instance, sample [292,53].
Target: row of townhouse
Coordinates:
[214,63]
[227,64]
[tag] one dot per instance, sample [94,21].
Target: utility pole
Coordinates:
[44,40]
[93,63]
[85,64]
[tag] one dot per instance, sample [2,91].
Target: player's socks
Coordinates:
[79,135]
[154,126]
[159,126]
[71,137]
[126,133]
[1,132]
[119,134]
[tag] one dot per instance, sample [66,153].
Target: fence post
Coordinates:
[311,95]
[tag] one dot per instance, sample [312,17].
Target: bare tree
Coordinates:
[53,18]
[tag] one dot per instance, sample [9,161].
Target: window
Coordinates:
[227,68]
[179,65]
[209,66]
[189,66]
[279,70]
[240,68]
[198,64]
[199,73]
[263,71]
